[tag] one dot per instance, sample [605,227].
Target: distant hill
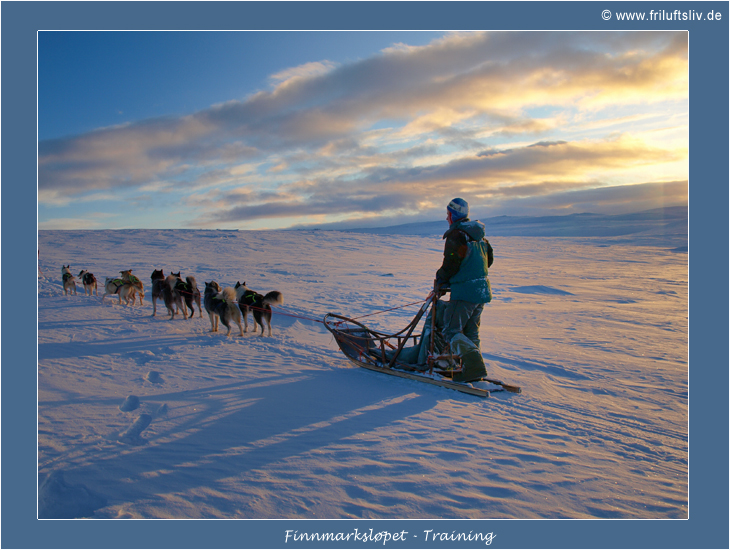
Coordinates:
[661,222]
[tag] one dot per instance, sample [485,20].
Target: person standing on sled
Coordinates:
[467,257]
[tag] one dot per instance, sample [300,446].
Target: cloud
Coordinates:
[405,127]
[117,157]
[537,170]
[618,199]
[601,200]
[292,75]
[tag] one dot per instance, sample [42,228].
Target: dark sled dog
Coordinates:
[173,299]
[189,292]
[158,288]
[69,281]
[221,304]
[89,282]
[260,305]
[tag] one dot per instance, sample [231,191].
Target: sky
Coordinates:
[269,130]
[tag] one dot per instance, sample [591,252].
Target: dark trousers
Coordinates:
[463,318]
[461,329]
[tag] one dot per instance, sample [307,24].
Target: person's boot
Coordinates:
[473,367]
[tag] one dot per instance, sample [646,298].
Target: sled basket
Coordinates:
[382,352]
[371,347]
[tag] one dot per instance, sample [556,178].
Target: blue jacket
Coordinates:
[467,257]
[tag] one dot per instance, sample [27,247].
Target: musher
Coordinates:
[467,257]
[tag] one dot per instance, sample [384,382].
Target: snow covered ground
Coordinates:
[594,330]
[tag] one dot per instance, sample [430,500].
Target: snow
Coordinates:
[143,417]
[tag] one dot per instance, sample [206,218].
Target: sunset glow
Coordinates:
[531,123]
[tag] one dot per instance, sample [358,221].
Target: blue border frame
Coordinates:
[708,525]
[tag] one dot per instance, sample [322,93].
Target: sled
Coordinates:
[382,352]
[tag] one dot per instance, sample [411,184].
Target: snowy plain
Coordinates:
[594,329]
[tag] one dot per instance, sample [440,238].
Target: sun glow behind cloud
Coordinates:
[505,119]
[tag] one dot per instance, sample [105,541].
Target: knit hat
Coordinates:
[459,209]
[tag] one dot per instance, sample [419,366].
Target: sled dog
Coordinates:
[69,281]
[173,299]
[125,291]
[189,292]
[260,305]
[127,277]
[158,287]
[89,282]
[221,304]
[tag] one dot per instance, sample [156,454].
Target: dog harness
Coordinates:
[134,280]
[183,287]
[119,283]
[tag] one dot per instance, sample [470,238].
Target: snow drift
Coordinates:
[594,330]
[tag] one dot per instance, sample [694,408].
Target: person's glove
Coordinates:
[438,287]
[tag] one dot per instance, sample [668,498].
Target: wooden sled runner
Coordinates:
[382,352]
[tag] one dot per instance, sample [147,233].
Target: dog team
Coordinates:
[229,305]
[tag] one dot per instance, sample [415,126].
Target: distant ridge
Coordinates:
[670,221]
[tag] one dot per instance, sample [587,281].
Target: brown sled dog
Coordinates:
[128,278]
[68,280]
